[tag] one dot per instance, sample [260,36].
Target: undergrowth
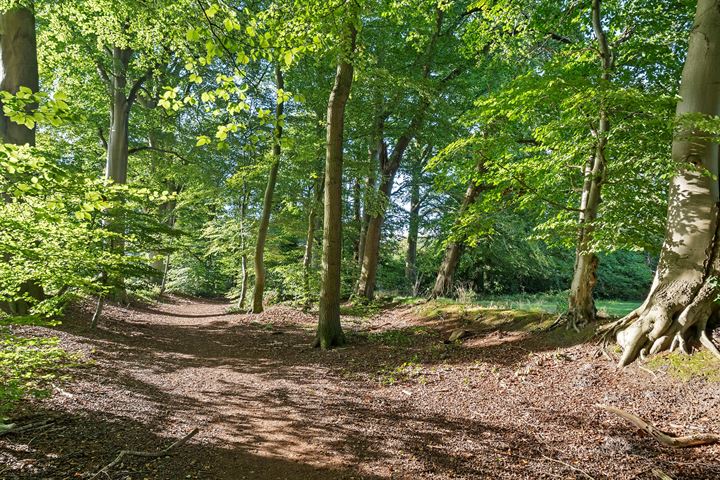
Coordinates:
[28,367]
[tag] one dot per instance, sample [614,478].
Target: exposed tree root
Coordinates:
[653,329]
[570,320]
[160,453]
[659,435]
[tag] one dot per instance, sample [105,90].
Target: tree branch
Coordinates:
[137,86]
[103,142]
[103,73]
[659,435]
[156,149]
[161,453]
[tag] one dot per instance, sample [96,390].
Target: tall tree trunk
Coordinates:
[682,297]
[389,167]
[310,237]
[454,249]
[374,148]
[267,202]
[19,68]
[116,166]
[581,303]
[371,249]
[243,253]
[357,217]
[414,220]
[18,58]
[329,333]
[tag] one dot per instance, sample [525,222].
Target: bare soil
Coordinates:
[398,402]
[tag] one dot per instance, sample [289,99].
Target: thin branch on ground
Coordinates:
[160,453]
[12,428]
[662,437]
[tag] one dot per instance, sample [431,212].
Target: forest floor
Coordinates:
[509,401]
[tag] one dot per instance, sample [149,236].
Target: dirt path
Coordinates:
[398,403]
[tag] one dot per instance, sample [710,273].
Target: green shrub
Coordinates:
[28,366]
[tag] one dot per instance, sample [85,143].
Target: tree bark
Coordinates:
[329,333]
[414,220]
[18,60]
[116,166]
[267,202]
[357,217]
[681,299]
[243,254]
[454,249]
[374,147]
[389,167]
[581,303]
[310,236]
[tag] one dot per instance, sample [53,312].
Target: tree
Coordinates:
[681,301]
[329,332]
[389,163]
[455,246]
[19,70]
[581,306]
[18,56]
[268,199]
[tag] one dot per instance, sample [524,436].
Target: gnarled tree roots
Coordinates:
[655,327]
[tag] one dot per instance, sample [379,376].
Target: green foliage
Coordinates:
[28,367]
[54,217]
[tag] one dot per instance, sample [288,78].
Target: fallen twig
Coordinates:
[662,437]
[160,453]
[11,428]
[661,475]
[550,459]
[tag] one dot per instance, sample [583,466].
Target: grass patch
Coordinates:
[360,309]
[549,303]
[701,364]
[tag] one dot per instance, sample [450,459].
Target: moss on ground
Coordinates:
[701,364]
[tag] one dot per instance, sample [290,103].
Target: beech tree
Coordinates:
[268,198]
[681,302]
[430,90]
[329,332]
[19,74]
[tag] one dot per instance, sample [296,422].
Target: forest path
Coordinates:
[398,403]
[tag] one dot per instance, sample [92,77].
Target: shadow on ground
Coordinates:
[270,407]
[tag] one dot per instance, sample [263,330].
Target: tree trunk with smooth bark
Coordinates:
[414,220]
[357,218]
[267,203]
[681,302]
[389,166]
[329,332]
[243,253]
[18,60]
[581,305]
[310,236]
[122,100]
[454,249]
